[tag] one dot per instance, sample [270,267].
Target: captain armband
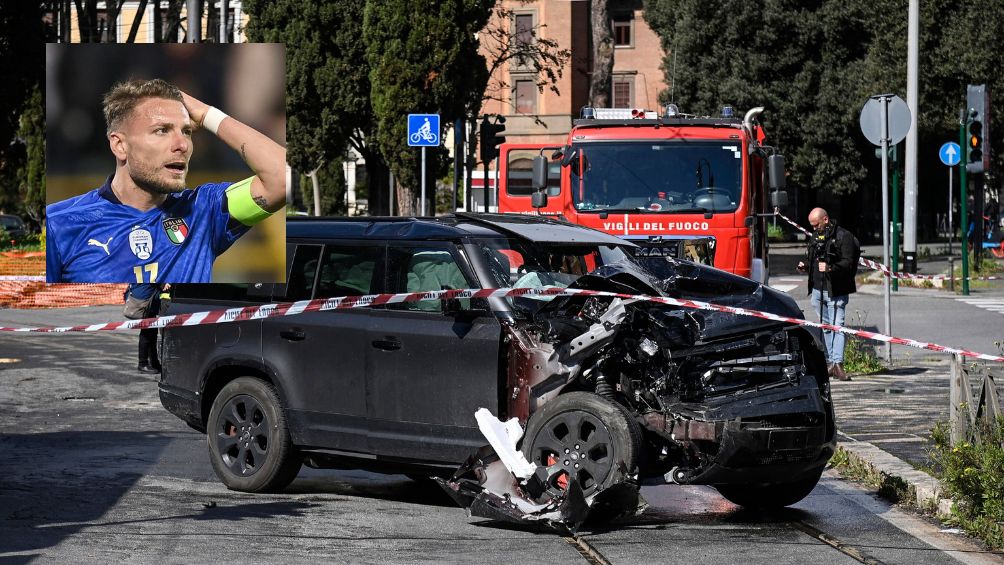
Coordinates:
[242,206]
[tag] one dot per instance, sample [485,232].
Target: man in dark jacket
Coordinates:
[830,262]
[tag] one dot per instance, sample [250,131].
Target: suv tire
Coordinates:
[249,443]
[596,433]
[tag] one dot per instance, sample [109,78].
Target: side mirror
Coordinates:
[775,172]
[778,199]
[538,199]
[539,178]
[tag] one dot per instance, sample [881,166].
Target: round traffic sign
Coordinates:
[898,115]
[950,153]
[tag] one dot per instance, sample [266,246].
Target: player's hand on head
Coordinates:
[196,108]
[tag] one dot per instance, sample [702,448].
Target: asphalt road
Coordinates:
[92,469]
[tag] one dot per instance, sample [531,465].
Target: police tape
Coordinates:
[248,313]
[885,269]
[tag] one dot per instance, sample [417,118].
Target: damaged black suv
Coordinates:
[609,389]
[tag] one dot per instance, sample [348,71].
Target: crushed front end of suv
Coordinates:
[588,395]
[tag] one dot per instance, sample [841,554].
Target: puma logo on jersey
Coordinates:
[104,245]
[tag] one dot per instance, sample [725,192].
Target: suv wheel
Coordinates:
[249,443]
[584,436]
[766,496]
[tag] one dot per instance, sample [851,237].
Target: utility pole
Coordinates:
[910,186]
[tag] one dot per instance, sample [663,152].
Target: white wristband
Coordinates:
[213,118]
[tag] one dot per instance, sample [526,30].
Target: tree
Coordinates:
[31,172]
[423,58]
[327,84]
[601,79]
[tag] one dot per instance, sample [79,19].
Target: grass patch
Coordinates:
[973,474]
[850,466]
[860,357]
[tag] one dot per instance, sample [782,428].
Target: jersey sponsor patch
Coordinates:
[177,230]
[141,243]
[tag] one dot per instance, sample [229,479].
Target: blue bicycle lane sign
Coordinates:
[423,130]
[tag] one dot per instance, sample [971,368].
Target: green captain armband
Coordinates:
[242,206]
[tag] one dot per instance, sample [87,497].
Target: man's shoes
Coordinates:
[147,368]
[829,369]
[837,372]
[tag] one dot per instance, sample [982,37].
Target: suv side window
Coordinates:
[349,270]
[302,271]
[425,268]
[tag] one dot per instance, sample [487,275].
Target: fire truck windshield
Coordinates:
[656,177]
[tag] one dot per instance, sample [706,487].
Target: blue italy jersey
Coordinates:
[95,238]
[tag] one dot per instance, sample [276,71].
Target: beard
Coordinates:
[147,179]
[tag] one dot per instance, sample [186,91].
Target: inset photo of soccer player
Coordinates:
[165,163]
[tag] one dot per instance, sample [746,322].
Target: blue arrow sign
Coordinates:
[423,130]
[950,153]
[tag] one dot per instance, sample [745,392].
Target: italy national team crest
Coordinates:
[177,230]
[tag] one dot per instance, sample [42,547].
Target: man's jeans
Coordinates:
[831,311]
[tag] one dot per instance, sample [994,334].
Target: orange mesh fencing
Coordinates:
[22,285]
[35,294]
[25,263]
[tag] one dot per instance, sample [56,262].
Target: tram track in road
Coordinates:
[846,549]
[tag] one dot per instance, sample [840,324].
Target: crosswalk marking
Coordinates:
[784,287]
[991,304]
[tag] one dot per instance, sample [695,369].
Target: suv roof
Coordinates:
[451,226]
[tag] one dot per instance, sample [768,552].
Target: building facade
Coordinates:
[545,117]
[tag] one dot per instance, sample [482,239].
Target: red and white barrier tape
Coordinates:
[885,269]
[22,278]
[347,302]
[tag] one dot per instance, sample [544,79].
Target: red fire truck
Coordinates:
[699,188]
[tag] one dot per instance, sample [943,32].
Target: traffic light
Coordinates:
[977,129]
[491,137]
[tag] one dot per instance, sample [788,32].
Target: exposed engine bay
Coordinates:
[717,398]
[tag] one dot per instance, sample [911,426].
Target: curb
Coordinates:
[924,491]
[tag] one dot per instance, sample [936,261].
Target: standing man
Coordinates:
[143,225]
[831,262]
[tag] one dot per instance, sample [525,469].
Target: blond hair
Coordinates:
[124,96]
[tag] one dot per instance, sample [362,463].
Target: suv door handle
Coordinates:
[293,334]
[389,344]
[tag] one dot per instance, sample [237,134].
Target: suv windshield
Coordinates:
[657,177]
[519,263]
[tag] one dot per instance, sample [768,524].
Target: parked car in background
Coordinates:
[703,397]
[15,229]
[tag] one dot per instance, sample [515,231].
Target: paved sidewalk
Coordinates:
[884,421]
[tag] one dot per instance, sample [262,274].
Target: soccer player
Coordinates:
[143,225]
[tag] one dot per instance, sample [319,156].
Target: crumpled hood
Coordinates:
[686,280]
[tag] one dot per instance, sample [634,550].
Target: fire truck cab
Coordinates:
[688,187]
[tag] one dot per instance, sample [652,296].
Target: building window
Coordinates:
[623,92]
[525,97]
[623,27]
[524,30]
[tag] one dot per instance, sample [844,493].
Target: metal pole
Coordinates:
[885,222]
[194,15]
[458,146]
[895,215]
[910,187]
[964,217]
[486,186]
[951,232]
[224,12]
[390,179]
[423,181]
